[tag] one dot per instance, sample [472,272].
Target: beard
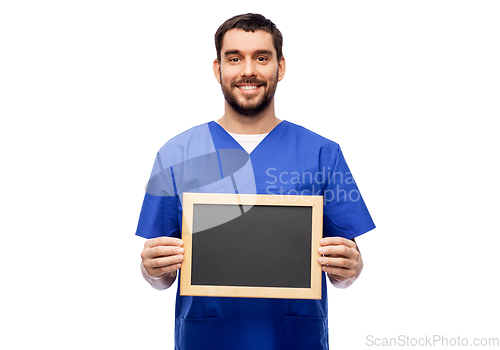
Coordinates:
[251,105]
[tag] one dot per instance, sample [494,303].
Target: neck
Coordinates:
[237,123]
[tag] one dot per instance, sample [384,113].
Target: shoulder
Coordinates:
[311,138]
[187,136]
[313,147]
[191,143]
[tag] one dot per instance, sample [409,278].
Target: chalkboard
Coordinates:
[251,245]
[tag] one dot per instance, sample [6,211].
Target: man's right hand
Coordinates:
[162,256]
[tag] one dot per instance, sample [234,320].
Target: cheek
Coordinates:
[228,74]
[271,75]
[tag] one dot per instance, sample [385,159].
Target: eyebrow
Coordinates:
[258,52]
[231,52]
[264,52]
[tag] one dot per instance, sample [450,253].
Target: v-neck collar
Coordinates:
[228,135]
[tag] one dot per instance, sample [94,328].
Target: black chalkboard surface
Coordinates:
[251,245]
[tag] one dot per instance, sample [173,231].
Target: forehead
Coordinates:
[247,42]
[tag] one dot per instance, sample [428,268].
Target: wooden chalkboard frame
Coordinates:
[190,199]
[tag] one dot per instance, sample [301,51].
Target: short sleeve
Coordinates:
[185,163]
[159,217]
[160,208]
[345,213]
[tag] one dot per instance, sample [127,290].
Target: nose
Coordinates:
[249,68]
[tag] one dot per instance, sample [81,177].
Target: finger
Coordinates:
[163,241]
[164,270]
[339,251]
[338,262]
[160,263]
[161,251]
[337,241]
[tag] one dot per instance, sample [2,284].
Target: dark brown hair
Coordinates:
[249,22]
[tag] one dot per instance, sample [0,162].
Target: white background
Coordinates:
[90,90]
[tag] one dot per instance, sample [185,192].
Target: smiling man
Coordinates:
[252,70]
[248,67]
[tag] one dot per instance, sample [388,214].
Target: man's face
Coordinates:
[249,70]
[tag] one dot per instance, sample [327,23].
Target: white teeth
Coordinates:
[248,87]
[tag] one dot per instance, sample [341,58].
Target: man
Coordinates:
[283,158]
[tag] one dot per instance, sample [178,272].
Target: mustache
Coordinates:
[249,82]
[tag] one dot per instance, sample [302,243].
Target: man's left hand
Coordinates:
[341,259]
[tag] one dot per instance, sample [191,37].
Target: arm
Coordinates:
[341,260]
[161,258]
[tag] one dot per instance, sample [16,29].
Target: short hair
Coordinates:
[249,22]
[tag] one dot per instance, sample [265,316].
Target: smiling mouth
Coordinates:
[249,88]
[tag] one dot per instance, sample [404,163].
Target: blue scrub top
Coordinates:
[291,160]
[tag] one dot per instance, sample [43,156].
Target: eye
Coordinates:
[261,59]
[234,60]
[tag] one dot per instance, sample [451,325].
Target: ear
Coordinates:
[217,70]
[281,68]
